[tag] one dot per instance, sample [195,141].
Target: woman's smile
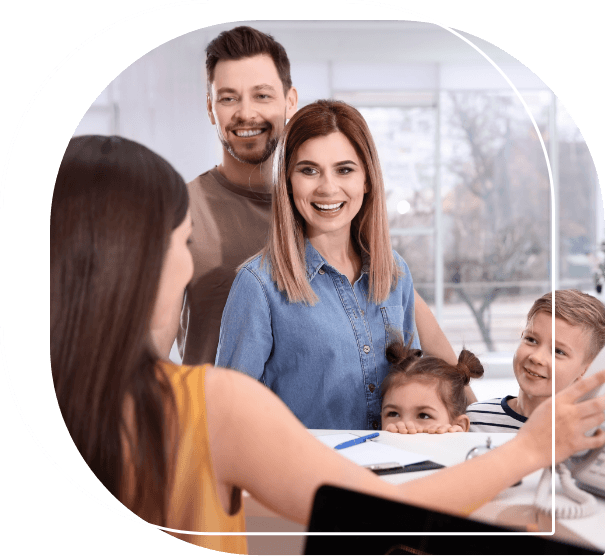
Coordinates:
[328,209]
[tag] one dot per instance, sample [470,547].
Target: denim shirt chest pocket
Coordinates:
[393,317]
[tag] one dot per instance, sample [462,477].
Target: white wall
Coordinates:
[160,99]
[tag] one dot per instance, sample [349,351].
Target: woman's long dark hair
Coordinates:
[114,207]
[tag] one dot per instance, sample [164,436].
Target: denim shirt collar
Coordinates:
[315,261]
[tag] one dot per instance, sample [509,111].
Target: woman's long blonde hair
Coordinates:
[369,229]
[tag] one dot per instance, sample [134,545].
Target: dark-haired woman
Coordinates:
[177,444]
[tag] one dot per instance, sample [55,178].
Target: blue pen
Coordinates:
[359,440]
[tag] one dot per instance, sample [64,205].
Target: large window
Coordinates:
[482,254]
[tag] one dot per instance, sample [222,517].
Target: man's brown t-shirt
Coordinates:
[230,224]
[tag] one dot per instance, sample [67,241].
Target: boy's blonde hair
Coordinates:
[577,309]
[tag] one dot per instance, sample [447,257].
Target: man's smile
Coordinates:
[247,132]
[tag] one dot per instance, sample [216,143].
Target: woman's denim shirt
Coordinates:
[325,361]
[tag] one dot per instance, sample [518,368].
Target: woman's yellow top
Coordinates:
[194,503]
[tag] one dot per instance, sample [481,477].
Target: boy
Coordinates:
[579,336]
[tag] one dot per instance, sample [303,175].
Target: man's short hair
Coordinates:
[245,42]
[578,309]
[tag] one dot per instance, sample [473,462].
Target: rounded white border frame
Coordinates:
[201,2]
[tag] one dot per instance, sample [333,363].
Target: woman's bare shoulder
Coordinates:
[232,394]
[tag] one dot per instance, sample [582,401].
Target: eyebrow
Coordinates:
[564,346]
[341,163]
[421,407]
[417,408]
[263,86]
[225,90]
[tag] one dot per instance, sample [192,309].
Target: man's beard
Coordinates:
[252,158]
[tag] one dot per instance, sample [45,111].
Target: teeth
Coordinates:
[329,207]
[247,133]
[533,374]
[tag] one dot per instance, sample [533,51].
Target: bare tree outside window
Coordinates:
[498,209]
[580,197]
[495,198]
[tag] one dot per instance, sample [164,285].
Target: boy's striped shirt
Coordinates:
[494,415]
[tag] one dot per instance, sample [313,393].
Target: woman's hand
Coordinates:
[411,428]
[572,421]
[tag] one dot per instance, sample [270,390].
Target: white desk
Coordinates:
[512,507]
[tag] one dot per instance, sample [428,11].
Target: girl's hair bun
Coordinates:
[469,365]
[397,352]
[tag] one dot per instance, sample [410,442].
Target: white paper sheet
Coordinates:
[370,452]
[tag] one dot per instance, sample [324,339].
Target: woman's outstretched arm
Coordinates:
[257,444]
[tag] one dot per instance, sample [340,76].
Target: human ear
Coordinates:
[291,102]
[209,108]
[463,422]
[584,367]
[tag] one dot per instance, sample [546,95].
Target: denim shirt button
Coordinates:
[321,271]
[374,425]
[371,388]
[366,349]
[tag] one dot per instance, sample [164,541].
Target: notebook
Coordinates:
[371,453]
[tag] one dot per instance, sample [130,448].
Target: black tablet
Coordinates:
[338,510]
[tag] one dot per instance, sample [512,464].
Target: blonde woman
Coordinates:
[312,314]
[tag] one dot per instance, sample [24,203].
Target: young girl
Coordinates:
[426,394]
